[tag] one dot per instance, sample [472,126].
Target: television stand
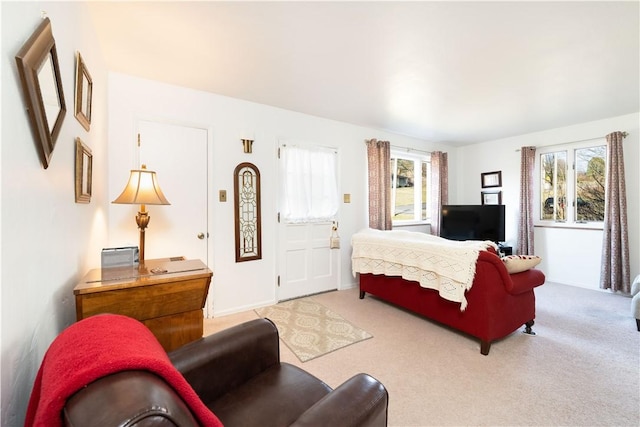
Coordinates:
[505,250]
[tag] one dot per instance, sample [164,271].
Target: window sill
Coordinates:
[570,225]
[410,223]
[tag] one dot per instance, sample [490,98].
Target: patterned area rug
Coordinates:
[310,329]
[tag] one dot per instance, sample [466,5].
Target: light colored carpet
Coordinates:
[310,329]
[581,369]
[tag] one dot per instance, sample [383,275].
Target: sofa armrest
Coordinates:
[525,281]
[360,401]
[516,283]
[231,356]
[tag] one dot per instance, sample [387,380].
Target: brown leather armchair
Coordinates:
[238,375]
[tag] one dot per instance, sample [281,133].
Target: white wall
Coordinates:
[239,286]
[569,256]
[48,241]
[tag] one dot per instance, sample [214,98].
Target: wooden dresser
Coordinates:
[166,295]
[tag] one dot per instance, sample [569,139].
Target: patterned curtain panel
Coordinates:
[379,168]
[439,188]
[615,271]
[525,224]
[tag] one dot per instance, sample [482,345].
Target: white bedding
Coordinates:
[444,265]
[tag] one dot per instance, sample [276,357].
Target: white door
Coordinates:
[307,265]
[178,155]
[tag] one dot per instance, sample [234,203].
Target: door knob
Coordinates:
[200,236]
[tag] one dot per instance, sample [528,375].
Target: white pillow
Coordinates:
[520,263]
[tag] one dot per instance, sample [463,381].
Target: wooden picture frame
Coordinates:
[84,93]
[84,172]
[491,179]
[491,197]
[39,71]
[248,222]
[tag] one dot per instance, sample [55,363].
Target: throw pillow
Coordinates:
[520,263]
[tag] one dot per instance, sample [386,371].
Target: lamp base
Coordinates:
[142,219]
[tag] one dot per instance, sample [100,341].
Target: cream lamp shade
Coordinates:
[142,189]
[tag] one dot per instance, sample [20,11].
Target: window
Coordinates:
[590,176]
[553,185]
[572,183]
[410,180]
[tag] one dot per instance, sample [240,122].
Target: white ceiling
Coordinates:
[448,72]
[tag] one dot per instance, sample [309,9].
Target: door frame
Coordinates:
[280,243]
[210,258]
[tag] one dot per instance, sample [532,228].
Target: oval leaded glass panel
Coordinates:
[247,212]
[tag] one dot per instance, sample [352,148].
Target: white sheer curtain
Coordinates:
[310,185]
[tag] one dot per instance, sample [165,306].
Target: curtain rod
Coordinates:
[406,148]
[410,149]
[624,135]
[334,149]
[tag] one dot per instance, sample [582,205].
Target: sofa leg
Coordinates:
[361,294]
[527,328]
[638,324]
[485,346]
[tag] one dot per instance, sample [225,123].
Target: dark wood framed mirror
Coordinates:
[42,86]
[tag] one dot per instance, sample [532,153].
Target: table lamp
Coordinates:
[142,189]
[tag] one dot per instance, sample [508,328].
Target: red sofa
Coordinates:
[498,302]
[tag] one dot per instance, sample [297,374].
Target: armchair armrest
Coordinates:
[127,398]
[232,357]
[360,401]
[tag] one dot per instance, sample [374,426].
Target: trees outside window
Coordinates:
[553,188]
[590,183]
[410,180]
[573,190]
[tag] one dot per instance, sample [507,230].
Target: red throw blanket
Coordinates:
[96,347]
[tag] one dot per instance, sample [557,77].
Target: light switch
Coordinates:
[347,198]
[223,195]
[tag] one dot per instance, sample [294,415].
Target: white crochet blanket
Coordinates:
[444,265]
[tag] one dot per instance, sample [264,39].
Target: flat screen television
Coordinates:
[472,222]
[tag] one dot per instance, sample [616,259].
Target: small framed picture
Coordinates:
[84,93]
[491,179]
[491,197]
[84,170]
